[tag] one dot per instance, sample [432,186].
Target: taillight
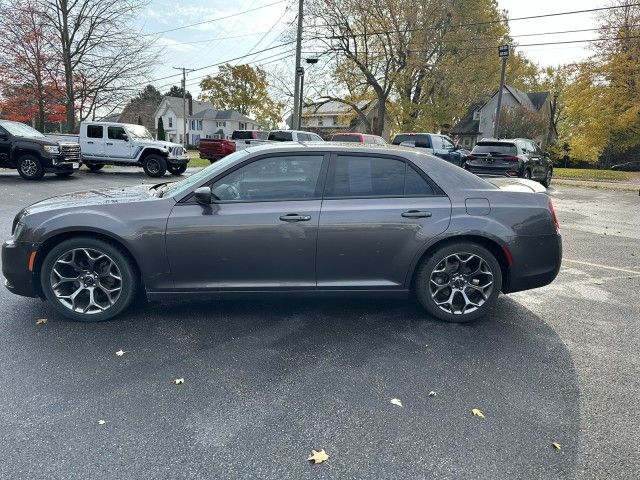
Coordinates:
[553,215]
[471,157]
[510,159]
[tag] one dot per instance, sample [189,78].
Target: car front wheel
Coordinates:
[154,166]
[547,179]
[459,282]
[88,280]
[30,167]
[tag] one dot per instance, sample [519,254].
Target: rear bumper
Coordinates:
[514,170]
[536,262]
[15,268]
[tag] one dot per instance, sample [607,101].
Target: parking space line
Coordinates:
[598,265]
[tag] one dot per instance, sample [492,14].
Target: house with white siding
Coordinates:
[171,110]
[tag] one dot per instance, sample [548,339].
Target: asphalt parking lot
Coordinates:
[267,381]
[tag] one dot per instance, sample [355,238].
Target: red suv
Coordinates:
[364,138]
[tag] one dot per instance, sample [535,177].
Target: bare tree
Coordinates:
[104,58]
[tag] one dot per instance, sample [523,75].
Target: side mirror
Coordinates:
[125,137]
[203,195]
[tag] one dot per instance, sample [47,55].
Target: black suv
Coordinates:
[518,157]
[33,154]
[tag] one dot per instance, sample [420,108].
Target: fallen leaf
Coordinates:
[178,381]
[318,457]
[41,321]
[101,422]
[120,353]
[396,401]
[477,412]
[432,393]
[557,446]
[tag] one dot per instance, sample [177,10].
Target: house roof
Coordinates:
[467,125]
[176,104]
[213,114]
[538,98]
[113,117]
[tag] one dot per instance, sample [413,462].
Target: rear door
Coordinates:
[118,144]
[93,140]
[377,213]
[5,147]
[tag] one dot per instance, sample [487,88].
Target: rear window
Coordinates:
[346,138]
[281,136]
[421,139]
[242,135]
[496,148]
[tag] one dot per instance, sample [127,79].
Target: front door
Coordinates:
[5,147]
[378,212]
[93,141]
[118,144]
[259,233]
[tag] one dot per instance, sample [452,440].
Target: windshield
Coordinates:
[21,130]
[496,148]
[346,138]
[139,131]
[177,188]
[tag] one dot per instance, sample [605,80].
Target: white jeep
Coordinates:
[106,143]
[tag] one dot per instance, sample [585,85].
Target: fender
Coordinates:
[143,151]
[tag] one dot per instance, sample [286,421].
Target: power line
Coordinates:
[474,24]
[272,27]
[213,19]
[207,40]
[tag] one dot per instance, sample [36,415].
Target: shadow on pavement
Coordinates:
[267,381]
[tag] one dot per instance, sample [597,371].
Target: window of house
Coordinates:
[272,179]
[199,124]
[221,124]
[476,114]
[95,131]
[320,122]
[170,122]
[242,126]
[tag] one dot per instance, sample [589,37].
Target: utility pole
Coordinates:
[184,103]
[295,117]
[503,52]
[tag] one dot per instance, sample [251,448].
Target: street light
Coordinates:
[300,73]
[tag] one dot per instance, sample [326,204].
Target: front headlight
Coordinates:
[17,230]
[52,149]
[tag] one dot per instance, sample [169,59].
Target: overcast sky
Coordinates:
[206,44]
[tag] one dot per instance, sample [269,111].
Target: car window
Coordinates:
[448,144]
[380,141]
[281,136]
[415,184]
[315,138]
[437,142]
[116,133]
[353,176]
[305,137]
[271,179]
[346,137]
[95,131]
[495,148]
[404,137]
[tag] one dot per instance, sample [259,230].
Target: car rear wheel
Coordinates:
[30,167]
[547,179]
[459,282]
[154,166]
[88,280]
[177,169]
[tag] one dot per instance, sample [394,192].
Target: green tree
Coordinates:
[522,122]
[244,89]
[161,133]
[176,91]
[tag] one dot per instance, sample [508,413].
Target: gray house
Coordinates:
[479,121]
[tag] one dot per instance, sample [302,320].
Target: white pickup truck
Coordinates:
[105,143]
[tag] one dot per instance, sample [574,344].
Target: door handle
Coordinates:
[416,214]
[109,143]
[90,143]
[294,217]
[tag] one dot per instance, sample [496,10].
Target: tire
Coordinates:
[30,167]
[178,169]
[64,174]
[434,287]
[88,268]
[154,166]
[547,179]
[526,174]
[94,167]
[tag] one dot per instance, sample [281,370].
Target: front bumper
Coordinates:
[15,268]
[180,160]
[536,262]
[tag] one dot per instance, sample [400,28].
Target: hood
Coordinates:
[165,144]
[90,198]
[38,140]
[516,184]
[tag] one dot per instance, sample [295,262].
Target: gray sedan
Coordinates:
[320,219]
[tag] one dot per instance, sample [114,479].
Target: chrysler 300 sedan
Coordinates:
[321,219]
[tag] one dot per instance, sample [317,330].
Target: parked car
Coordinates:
[33,154]
[293,136]
[439,145]
[106,143]
[363,138]
[287,218]
[518,157]
[215,149]
[627,167]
